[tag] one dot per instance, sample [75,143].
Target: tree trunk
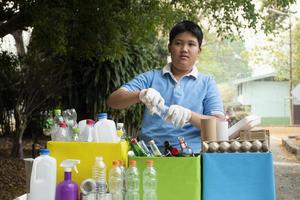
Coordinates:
[21,124]
[18,36]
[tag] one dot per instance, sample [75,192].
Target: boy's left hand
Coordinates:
[178,115]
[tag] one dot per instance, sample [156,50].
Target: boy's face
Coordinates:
[184,51]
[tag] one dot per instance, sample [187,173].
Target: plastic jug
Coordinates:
[88,133]
[43,177]
[105,130]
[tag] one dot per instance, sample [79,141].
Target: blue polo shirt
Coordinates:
[194,91]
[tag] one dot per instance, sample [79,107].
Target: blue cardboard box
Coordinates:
[238,176]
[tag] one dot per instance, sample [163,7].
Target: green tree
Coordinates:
[223,59]
[94,46]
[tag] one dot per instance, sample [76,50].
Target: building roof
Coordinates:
[255,78]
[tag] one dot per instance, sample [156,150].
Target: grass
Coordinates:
[275,121]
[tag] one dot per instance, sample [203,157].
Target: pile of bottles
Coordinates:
[139,148]
[122,183]
[235,146]
[64,127]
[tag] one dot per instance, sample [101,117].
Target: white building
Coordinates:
[266,96]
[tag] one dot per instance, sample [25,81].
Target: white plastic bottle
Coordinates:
[105,130]
[99,175]
[81,124]
[132,182]
[115,183]
[87,134]
[63,133]
[43,177]
[149,182]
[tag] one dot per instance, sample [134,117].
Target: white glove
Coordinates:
[178,115]
[152,99]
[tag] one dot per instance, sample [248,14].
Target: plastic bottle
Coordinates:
[162,111]
[144,147]
[105,130]
[121,165]
[81,124]
[67,189]
[185,149]
[70,117]
[149,182]
[63,133]
[99,175]
[137,149]
[43,177]
[57,119]
[115,183]
[132,182]
[76,132]
[121,131]
[154,148]
[88,132]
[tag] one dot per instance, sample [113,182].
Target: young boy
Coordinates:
[190,95]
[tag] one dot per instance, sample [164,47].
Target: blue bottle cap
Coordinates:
[44,151]
[102,116]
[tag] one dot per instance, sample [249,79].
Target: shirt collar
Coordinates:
[193,73]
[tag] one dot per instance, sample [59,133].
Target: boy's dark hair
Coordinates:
[186,26]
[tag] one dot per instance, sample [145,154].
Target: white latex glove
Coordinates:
[152,99]
[178,115]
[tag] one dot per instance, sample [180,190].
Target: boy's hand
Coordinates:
[152,99]
[178,115]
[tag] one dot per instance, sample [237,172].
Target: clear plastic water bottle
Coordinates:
[115,183]
[149,182]
[123,170]
[70,117]
[63,133]
[162,111]
[154,148]
[88,132]
[132,182]
[99,175]
[57,119]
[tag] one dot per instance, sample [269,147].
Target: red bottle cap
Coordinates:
[90,122]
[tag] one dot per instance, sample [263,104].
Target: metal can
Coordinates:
[88,189]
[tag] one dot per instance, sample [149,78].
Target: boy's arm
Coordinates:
[121,98]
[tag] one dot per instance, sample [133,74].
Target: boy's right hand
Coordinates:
[152,99]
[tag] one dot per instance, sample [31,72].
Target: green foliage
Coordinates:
[81,51]
[296,56]
[8,76]
[272,21]
[223,59]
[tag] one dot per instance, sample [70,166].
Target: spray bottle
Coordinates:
[67,189]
